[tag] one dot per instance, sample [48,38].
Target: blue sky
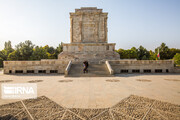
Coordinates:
[130,22]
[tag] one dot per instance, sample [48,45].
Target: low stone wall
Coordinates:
[177,69]
[142,66]
[43,66]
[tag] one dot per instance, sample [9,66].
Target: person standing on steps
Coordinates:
[85,63]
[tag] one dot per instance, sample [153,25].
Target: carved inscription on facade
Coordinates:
[88,25]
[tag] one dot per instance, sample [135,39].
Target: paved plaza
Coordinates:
[99,95]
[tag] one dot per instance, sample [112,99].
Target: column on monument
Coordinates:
[80,31]
[105,29]
[71,29]
[97,29]
[80,27]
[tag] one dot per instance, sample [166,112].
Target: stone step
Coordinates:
[94,70]
[91,75]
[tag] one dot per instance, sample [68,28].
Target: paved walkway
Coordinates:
[100,92]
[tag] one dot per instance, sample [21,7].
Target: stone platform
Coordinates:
[89,56]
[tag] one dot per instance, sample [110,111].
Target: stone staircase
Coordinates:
[94,70]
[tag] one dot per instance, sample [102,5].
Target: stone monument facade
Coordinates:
[88,25]
[88,34]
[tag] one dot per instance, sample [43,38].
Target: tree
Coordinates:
[14,55]
[25,50]
[1,62]
[120,51]
[142,53]
[39,53]
[152,56]
[172,52]
[51,56]
[51,50]
[133,53]
[59,49]
[164,51]
[177,58]
[5,52]
[8,47]
[128,54]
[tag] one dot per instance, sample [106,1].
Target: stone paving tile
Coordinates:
[55,116]
[169,116]
[153,115]
[18,115]
[87,113]
[11,109]
[134,110]
[42,107]
[167,107]
[70,116]
[103,116]
[33,102]
[119,116]
[140,100]
[131,108]
[22,116]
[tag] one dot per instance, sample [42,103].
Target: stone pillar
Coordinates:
[35,71]
[13,71]
[97,28]
[163,70]
[81,23]
[152,70]
[129,70]
[141,70]
[47,71]
[6,71]
[105,29]
[96,31]
[24,71]
[71,29]
[171,70]
[80,31]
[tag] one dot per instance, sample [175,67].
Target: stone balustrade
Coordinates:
[142,66]
[111,71]
[68,68]
[42,66]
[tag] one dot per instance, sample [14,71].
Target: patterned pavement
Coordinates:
[131,108]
